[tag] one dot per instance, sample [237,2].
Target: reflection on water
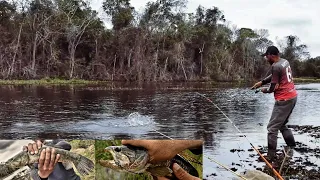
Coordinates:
[94,112]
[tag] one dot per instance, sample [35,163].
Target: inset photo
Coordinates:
[47,159]
[148,159]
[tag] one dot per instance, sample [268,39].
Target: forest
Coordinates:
[67,39]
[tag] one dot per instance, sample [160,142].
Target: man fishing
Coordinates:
[282,85]
[48,167]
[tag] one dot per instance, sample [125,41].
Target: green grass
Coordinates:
[307,80]
[46,81]
[85,148]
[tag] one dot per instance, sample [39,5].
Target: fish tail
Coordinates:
[84,166]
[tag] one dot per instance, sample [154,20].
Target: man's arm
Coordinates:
[274,79]
[270,89]
[266,80]
[262,82]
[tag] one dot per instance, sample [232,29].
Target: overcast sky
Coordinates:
[280,17]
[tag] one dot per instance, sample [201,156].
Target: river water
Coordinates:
[97,112]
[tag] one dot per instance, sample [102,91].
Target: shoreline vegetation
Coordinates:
[58,81]
[162,42]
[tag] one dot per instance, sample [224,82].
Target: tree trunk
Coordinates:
[11,69]
[201,60]
[97,52]
[114,66]
[34,50]
[129,59]
[72,61]
[184,72]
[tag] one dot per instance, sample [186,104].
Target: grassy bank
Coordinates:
[49,81]
[307,80]
[57,81]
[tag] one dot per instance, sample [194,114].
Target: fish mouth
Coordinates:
[109,164]
[108,149]
[120,158]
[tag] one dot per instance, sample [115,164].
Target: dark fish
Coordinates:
[136,160]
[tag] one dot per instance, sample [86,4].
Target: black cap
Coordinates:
[272,50]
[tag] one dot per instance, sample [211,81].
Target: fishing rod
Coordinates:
[266,161]
[211,159]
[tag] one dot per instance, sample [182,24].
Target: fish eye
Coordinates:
[117,149]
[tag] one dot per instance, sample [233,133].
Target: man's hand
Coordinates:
[158,150]
[180,173]
[257,85]
[162,150]
[264,90]
[47,160]
[33,148]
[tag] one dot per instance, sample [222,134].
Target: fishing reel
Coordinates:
[256,90]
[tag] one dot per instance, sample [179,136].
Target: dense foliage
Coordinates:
[66,39]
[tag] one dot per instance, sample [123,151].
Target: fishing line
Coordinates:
[211,159]
[224,115]
[275,171]
[162,134]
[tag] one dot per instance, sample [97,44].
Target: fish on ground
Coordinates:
[136,160]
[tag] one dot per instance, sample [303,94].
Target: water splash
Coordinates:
[136,119]
[114,124]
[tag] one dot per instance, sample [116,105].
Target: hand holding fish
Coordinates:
[33,148]
[47,162]
[48,158]
[162,150]
[154,157]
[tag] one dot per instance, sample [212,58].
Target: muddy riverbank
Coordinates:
[304,164]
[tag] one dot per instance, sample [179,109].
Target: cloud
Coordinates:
[290,23]
[314,47]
